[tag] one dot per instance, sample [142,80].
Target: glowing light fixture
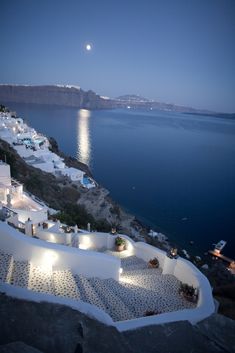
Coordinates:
[49,259]
[173,253]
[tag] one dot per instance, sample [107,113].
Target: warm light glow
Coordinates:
[173,252]
[83,246]
[49,259]
[127,280]
[52,238]
[86,243]
[129,248]
[83,136]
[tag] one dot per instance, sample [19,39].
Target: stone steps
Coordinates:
[65,285]
[139,290]
[143,273]
[6,266]
[141,266]
[40,280]
[114,305]
[20,274]
[88,293]
[133,263]
[137,299]
[122,291]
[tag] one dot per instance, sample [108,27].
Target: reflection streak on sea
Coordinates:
[83,136]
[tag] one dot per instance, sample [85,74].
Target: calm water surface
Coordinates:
[174,171]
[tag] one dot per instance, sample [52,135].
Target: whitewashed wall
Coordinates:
[91,263]
[100,240]
[51,237]
[147,252]
[88,263]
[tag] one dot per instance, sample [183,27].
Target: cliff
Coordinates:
[52,328]
[55,95]
[72,96]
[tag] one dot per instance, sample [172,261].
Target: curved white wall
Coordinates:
[100,240]
[52,237]
[37,251]
[92,263]
[182,269]
[186,272]
[147,252]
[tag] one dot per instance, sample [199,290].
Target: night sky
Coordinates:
[177,51]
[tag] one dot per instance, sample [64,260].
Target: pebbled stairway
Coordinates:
[115,307]
[140,289]
[40,280]
[65,285]
[6,265]
[88,293]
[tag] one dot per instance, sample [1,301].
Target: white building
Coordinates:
[16,203]
[73,174]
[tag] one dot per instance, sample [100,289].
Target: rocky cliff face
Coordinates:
[73,96]
[56,95]
[32,327]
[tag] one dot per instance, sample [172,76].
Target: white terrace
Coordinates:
[86,273]
[116,288]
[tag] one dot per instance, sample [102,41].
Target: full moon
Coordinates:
[88,47]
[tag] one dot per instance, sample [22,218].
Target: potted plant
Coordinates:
[120,243]
[189,292]
[153,263]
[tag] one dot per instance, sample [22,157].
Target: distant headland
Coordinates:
[74,96]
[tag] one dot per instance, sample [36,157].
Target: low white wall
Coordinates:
[51,237]
[100,240]
[191,315]
[93,240]
[91,263]
[39,252]
[186,272]
[91,310]
[147,252]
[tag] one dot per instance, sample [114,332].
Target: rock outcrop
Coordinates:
[53,328]
[55,95]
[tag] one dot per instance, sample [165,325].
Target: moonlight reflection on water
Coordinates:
[83,136]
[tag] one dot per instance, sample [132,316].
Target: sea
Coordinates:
[175,172]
